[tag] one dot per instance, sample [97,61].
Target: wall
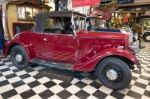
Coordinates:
[12,17]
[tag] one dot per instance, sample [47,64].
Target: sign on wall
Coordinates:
[79,3]
[125,1]
[106,1]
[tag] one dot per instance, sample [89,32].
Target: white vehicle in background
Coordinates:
[146,35]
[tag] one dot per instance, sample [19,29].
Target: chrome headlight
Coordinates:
[135,36]
[130,35]
[134,46]
[130,38]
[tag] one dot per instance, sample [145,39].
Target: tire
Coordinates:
[121,69]
[19,57]
[147,38]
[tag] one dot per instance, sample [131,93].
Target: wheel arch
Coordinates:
[125,59]
[19,44]
[11,46]
[92,64]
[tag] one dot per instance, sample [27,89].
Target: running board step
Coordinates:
[52,64]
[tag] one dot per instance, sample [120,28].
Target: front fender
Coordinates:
[10,44]
[91,64]
[118,52]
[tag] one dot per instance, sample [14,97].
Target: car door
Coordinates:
[60,47]
[59,44]
[37,43]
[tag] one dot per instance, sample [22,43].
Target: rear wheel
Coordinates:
[114,73]
[19,57]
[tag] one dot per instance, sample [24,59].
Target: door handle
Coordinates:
[45,39]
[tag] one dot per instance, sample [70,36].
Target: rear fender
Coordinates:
[92,63]
[20,42]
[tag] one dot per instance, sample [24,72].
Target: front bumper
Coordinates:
[134,48]
[139,67]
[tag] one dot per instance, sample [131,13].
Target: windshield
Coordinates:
[127,28]
[95,23]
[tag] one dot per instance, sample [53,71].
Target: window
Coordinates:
[97,23]
[59,25]
[49,23]
[26,13]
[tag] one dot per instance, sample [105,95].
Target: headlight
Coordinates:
[135,36]
[130,38]
[130,35]
[134,46]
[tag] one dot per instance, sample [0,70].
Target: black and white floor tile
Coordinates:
[36,83]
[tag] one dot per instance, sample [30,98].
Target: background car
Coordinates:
[146,35]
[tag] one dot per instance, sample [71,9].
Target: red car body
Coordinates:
[84,50]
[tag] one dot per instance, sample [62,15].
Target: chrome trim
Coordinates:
[18,57]
[112,74]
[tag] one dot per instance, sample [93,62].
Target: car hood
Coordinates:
[96,34]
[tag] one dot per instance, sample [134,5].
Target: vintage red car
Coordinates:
[62,37]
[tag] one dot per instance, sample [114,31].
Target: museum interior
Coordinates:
[74,49]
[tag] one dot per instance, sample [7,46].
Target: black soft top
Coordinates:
[60,14]
[55,14]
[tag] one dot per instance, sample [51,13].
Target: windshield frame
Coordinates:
[75,28]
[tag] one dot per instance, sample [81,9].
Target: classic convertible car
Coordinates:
[62,37]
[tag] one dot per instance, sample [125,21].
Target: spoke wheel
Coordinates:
[114,73]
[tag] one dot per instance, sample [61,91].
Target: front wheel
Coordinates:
[19,57]
[114,73]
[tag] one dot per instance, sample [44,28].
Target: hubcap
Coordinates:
[148,38]
[18,57]
[112,74]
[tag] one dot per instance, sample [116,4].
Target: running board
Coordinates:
[52,64]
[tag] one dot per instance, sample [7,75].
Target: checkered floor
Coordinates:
[22,84]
